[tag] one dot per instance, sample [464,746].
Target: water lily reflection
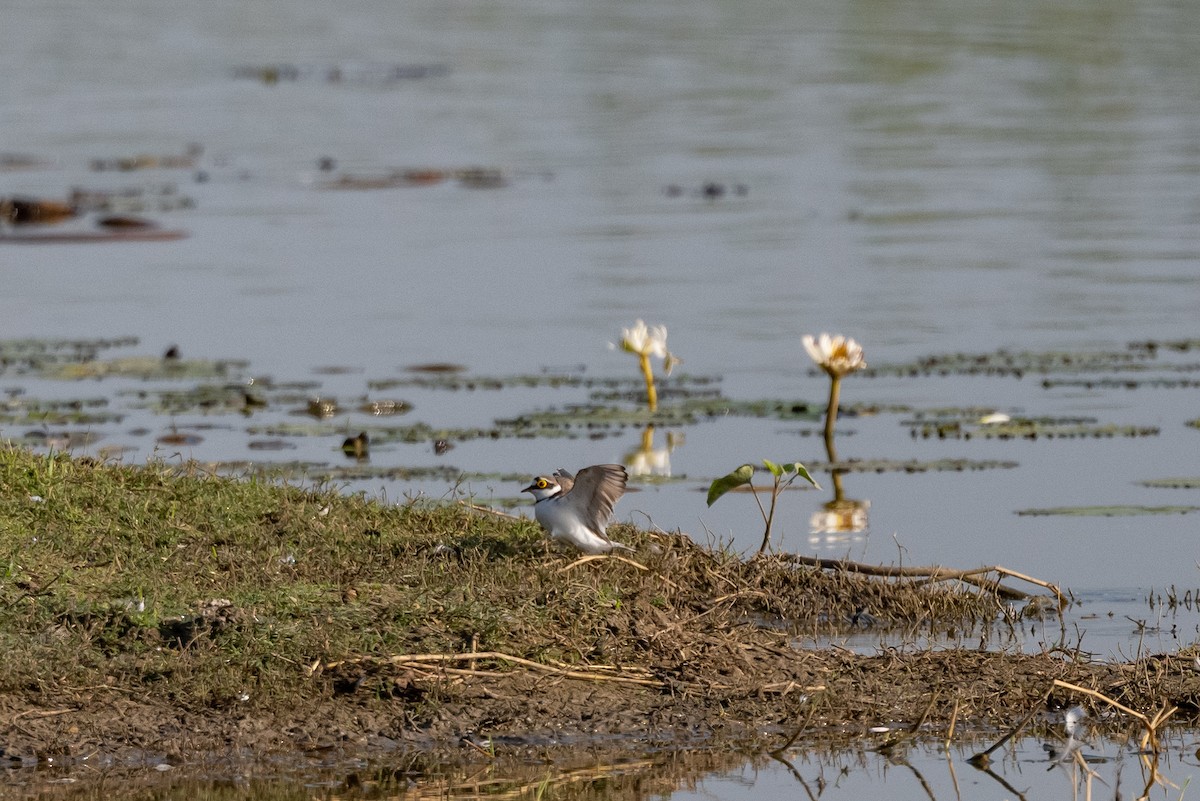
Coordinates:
[646,460]
[845,516]
[841,516]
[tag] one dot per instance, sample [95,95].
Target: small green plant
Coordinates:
[784,475]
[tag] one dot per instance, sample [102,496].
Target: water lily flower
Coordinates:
[645,342]
[837,355]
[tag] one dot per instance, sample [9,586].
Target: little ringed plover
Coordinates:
[577,508]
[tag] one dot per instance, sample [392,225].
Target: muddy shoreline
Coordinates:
[777,696]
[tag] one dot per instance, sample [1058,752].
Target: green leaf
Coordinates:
[802,471]
[725,483]
[775,469]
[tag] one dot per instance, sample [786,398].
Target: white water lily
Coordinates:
[836,355]
[645,342]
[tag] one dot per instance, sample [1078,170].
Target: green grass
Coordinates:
[165,583]
[104,567]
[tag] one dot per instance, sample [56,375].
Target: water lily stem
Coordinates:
[648,374]
[831,411]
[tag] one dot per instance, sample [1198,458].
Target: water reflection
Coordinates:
[845,765]
[646,460]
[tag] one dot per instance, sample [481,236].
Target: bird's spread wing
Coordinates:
[605,483]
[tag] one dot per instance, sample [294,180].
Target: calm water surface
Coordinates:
[929,178]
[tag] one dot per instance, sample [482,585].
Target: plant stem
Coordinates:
[831,410]
[770,518]
[648,374]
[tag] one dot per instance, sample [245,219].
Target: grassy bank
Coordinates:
[164,610]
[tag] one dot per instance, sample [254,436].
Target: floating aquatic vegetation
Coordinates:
[1172,483]
[18,410]
[1025,428]
[366,72]
[242,398]
[151,233]
[20,161]
[270,445]
[148,161]
[322,407]
[146,367]
[1132,510]
[1123,383]
[453,379]
[709,190]
[911,465]
[1152,346]
[131,199]
[61,440]
[385,408]
[1014,364]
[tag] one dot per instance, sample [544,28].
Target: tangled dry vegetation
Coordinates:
[163,610]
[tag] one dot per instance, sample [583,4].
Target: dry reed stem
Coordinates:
[593,557]
[1150,735]
[412,661]
[488,511]
[409,659]
[931,573]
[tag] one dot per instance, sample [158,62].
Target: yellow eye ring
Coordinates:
[541,483]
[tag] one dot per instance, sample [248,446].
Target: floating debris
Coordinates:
[147,161]
[357,447]
[180,438]
[35,211]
